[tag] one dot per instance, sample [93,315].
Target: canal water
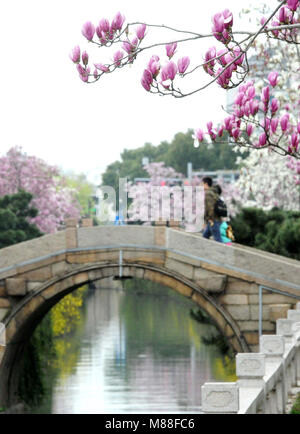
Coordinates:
[135,352]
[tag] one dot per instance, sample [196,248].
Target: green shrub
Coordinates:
[296,406]
[275,231]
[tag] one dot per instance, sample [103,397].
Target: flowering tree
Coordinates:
[258,120]
[51,197]
[164,197]
[264,182]
[150,200]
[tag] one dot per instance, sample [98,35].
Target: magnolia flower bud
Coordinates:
[88,30]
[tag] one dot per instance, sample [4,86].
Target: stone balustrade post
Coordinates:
[220,398]
[86,222]
[71,223]
[174,224]
[273,346]
[250,370]
[71,233]
[294,315]
[161,222]
[296,331]
[284,328]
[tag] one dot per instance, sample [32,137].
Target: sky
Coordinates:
[48,111]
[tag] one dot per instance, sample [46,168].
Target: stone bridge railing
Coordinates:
[265,379]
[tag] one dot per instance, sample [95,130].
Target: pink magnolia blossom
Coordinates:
[250,129]
[140,31]
[210,55]
[285,15]
[220,131]
[183,64]
[169,71]
[199,135]
[263,20]
[170,49]
[274,125]
[88,30]
[218,23]
[101,67]
[228,18]
[273,78]
[236,133]
[294,141]
[85,58]
[75,55]
[228,122]
[254,107]
[83,73]
[154,65]
[95,73]
[117,22]
[293,4]
[101,35]
[118,56]
[284,121]
[222,23]
[221,56]
[266,123]
[274,105]
[223,77]
[238,56]
[104,25]
[211,131]
[147,80]
[128,47]
[251,92]
[262,139]
[265,94]
[275,24]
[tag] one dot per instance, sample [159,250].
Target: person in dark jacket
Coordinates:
[212,221]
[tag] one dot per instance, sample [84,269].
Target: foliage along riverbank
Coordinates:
[46,346]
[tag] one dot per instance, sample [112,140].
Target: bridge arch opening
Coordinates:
[32,308]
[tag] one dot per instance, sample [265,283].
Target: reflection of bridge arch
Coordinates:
[222,280]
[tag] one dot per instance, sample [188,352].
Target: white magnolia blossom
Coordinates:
[265,182]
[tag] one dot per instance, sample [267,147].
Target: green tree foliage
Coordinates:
[275,231]
[15,210]
[177,154]
[84,192]
[39,351]
[296,406]
[209,157]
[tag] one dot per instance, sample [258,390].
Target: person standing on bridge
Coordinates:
[212,220]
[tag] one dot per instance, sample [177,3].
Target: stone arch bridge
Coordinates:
[225,281]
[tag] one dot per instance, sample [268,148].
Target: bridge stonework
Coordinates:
[222,280]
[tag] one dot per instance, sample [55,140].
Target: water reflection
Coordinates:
[137,353]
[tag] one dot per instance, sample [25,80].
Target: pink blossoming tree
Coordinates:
[51,196]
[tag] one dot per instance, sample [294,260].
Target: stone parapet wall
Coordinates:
[255,264]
